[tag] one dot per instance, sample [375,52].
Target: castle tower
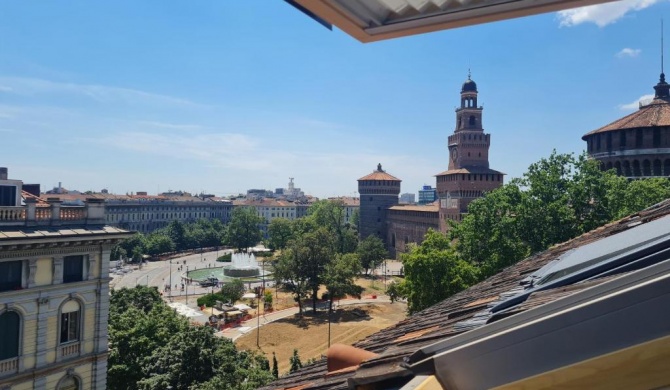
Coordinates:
[469,175]
[637,145]
[378,191]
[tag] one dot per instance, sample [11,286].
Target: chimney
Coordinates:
[3,173]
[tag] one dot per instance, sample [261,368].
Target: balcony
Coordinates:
[70,350]
[53,213]
[9,366]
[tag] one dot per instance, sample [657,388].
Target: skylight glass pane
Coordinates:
[605,249]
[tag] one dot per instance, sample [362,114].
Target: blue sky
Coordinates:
[222,96]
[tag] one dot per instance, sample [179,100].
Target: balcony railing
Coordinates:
[8,366]
[70,350]
[54,213]
[12,214]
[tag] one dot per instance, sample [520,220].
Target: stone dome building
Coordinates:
[637,145]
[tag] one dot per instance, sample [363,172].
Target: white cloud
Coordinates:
[602,14]
[246,161]
[170,126]
[99,93]
[636,104]
[628,52]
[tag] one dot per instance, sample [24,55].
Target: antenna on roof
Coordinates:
[662,46]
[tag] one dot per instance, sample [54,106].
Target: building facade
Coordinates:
[469,175]
[409,224]
[378,192]
[54,291]
[407,198]
[637,145]
[427,194]
[146,213]
[468,178]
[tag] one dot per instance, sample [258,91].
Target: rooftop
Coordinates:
[473,170]
[513,291]
[379,174]
[655,113]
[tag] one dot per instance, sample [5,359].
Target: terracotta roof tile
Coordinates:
[379,175]
[429,208]
[445,319]
[475,170]
[656,113]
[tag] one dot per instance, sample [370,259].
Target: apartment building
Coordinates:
[145,213]
[54,291]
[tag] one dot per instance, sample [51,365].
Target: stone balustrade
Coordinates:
[70,350]
[8,366]
[12,214]
[92,213]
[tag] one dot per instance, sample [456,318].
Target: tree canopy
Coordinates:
[434,271]
[151,347]
[280,232]
[557,199]
[243,229]
[371,252]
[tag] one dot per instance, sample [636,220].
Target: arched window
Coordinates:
[608,166]
[646,168]
[70,321]
[10,329]
[666,167]
[617,166]
[636,168]
[472,120]
[69,382]
[626,169]
[657,168]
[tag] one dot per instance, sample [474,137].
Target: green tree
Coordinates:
[268,299]
[371,252]
[152,347]
[296,364]
[558,198]
[232,291]
[355,219]
[288,272]
[302,265]
[275,366]
[433,272]
[158,243]
[280,231]
[340,275]
[329,214]
[489,235]
[177,233]
[243,231]
[395,291]
[640,194]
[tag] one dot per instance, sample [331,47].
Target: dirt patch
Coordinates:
[309,333]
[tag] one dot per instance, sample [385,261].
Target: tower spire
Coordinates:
[662,88]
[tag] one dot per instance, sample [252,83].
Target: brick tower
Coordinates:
[469,175]
[378,192]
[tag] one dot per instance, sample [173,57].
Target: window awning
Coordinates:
[375,20]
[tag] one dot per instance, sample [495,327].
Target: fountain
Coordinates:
[243,265]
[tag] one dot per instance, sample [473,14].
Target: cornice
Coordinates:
[48,249]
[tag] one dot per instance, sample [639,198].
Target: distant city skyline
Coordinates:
[222,97]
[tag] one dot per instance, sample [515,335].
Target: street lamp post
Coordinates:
[170,282]
[258,319]
[147,280]
[186,284]
[330,307]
